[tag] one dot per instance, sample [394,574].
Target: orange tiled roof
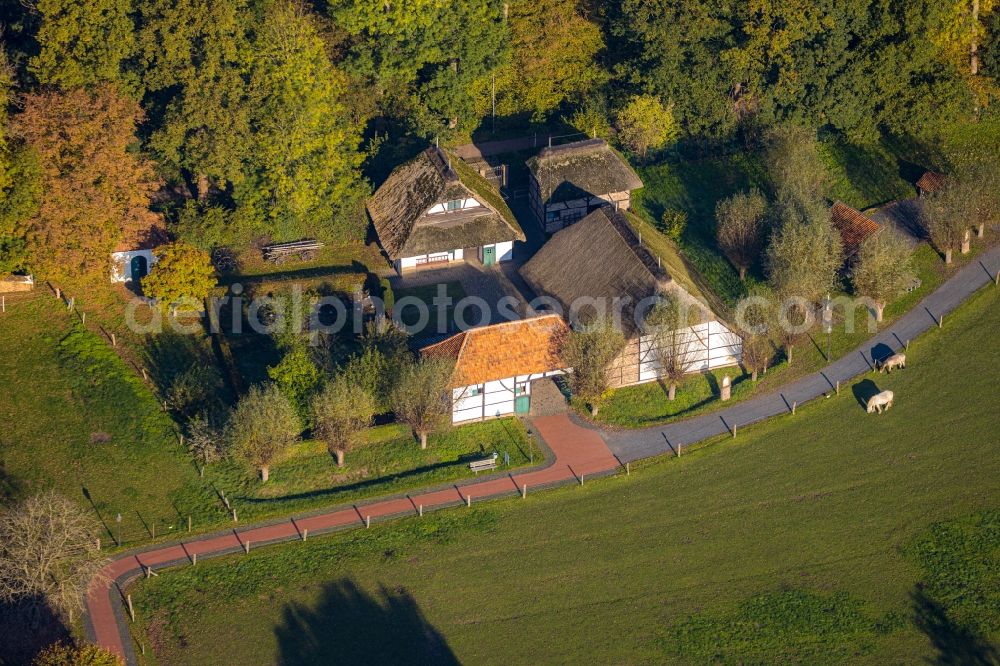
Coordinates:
[499,351]
[931,181]
[854,227]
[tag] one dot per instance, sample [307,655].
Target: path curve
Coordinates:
[578,451]
[630,445]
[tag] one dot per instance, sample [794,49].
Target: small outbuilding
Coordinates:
[436,209]
[854,227]
[599,264]
[495,365]
[131,265]
[930,182]
[571,180]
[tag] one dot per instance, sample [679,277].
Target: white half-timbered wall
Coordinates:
[442,206]
[706,346]
[478,402]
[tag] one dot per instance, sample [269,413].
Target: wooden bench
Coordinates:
[483,465]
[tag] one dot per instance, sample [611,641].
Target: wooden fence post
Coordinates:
[189,523]
[420,510]
[524,491]
[114,340]
[194,559]
[246,546]
[838,387]
[794,403]
[235,519]
[368,521]
[131,610]
[628,472]
[305,533]
[468,500]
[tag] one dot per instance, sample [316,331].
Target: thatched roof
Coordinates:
[504,350]
[599,257]
[397,209]
[854,227]
[582,168]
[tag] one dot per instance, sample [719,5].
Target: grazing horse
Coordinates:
[894,361]
[880,402]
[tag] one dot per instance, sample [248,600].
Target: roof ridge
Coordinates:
[619,222]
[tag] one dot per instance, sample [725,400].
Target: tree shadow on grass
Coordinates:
[349,626]
[956,645]
[26,628]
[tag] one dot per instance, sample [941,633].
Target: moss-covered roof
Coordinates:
[434,177]
[582,168]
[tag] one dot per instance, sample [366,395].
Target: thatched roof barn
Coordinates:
[580,169]
[854,227]
[399,209]
[599,257]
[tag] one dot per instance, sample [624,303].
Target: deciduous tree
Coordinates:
[84,42]
[421,398]
[262,427]
[947,213]
[298,377]
[95,189]
[883,269]
[48,553]
[342,412]
[645,122]
[755,315]
[669,322]
[553,58]
[741,220]
[182,277]
[589,350]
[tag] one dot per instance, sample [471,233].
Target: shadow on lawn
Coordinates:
[955,644]
[349,626]
[368,483]
[864,391]
[27,628]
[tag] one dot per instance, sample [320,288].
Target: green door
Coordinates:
[522,404]
[489,255]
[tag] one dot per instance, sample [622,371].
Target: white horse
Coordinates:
[894,361]
[880,402]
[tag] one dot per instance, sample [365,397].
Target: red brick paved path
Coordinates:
[578,451]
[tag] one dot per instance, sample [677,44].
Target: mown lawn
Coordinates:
[78,420]
[829,537]
[391,461]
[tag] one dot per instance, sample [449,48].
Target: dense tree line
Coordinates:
[241,119]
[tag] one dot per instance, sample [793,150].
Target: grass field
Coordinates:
[827,537]
[78,420]
[391,461]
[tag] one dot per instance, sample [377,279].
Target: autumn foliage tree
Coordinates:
[182,277]
[645,122]
[95,190]
[80,654]
[553,59]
